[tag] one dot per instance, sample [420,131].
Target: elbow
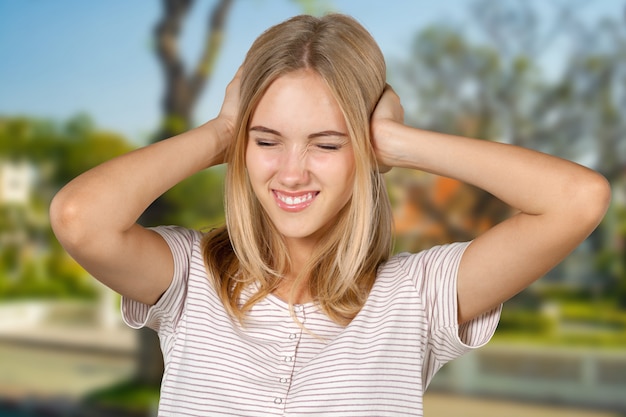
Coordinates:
[67,221]
[594,199]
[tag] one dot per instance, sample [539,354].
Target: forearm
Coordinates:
[532,182]
[112,196]
[559,203]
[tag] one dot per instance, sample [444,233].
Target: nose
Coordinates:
[293,170]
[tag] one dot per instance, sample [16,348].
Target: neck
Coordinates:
[299,295]
[299,252]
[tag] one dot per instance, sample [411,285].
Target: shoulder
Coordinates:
[178,237]
[178,232]
[436,259]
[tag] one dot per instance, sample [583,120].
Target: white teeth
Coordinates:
[295,200]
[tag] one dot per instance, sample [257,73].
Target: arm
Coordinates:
[560,203]
[94,216]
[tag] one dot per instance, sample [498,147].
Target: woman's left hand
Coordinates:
[388,111]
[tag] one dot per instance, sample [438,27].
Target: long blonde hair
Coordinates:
[249,251]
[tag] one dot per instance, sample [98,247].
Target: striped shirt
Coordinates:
[378,365]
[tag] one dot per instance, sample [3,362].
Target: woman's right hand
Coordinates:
[225,122]
[230,106]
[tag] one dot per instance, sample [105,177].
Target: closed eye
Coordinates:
[264,142]
[329,147]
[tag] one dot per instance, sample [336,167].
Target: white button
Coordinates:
[288,358]
[284,380]
[278,400]
[293,336]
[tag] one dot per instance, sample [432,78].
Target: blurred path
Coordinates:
[64,362]
[450,405]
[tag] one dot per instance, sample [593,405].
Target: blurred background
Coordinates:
[82,82]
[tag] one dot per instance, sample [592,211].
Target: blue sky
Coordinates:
[59,58]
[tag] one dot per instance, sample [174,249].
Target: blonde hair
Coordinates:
[249,251]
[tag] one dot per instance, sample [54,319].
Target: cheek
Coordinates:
[252,173]
[259,167]
[346,168]
[252,163]
[349,173]
[339,173]
[250,155]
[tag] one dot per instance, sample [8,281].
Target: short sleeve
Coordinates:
[164,315]
[435,272]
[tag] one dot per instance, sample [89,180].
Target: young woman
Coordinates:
[296,306]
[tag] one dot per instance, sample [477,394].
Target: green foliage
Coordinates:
[499,89]
[49,276]
[564,294]
[525,321]
[574,323]
[198,201]
[33,285]
[32,264]
[595,340]
[452,84]
[70,148]
[174,124]
[598,315]
[315,7]
[127,396]
[611,259]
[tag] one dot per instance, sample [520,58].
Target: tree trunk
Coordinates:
[182,91]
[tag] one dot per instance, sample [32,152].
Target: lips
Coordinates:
[294,201]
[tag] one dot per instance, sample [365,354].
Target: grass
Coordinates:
[129,396]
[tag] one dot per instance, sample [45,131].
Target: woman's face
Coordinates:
[299,157]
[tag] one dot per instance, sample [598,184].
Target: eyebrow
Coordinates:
[321,134]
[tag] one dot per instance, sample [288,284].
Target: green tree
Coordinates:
[32,263]
[183,88]
[496,87]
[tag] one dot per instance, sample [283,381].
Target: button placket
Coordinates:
[288,357]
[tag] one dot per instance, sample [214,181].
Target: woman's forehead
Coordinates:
[299,100]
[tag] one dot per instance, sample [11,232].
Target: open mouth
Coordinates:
[295,202]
